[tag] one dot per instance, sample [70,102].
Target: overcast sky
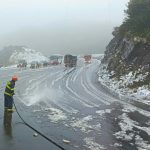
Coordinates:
[60,26]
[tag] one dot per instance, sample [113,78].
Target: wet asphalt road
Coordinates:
[70,104]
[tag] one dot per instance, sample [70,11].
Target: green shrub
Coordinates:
[137,21]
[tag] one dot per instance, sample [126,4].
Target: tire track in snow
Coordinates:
[76,96]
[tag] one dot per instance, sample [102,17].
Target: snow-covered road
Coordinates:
[71,104]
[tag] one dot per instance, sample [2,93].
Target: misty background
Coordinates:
[60,26]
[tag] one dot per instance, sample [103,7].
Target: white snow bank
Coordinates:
[143,93]
[121,86]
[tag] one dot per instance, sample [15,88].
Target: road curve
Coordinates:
[71,104]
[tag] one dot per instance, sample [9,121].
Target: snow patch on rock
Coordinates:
[121,86]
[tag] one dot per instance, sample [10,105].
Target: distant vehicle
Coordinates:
[34,65]
[55,59]
[22,64]
[43,63]
[87,58]
[70,61]
[54,62]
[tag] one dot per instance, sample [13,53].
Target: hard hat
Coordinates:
[14,78]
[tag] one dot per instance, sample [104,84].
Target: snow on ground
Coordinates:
[85,124]
[142,145]
[142,94]
[91,144]
[127,125]
[56,115]
[102,112]
[120,87]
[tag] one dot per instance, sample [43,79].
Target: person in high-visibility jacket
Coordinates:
[8,94]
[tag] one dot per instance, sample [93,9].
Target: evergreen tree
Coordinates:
[137,21]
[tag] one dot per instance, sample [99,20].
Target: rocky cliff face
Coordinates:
[124,56]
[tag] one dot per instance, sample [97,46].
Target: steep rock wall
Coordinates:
[123,55]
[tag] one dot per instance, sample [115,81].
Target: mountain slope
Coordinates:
[13,54]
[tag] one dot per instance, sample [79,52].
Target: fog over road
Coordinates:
[71,104]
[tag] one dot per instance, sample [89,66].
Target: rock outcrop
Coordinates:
[124,55]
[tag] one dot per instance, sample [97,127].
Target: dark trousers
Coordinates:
[7,123]
[8,101]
